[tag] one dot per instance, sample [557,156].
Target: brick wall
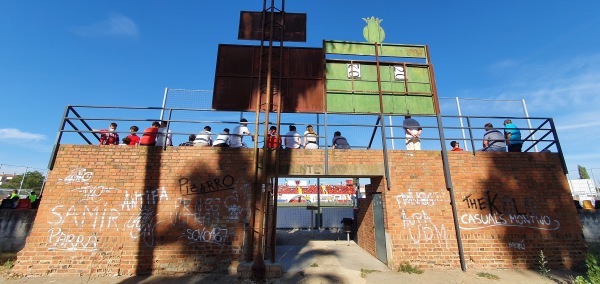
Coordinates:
[136,210]
[509,206]
[139,210]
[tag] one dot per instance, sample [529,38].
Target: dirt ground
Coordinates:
[322,257]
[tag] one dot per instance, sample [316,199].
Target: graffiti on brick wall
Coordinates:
[420,227]
[136,200]
[58,240]
[418,198]
[206,235]
[517,245]
[493,210]
[77,176]
[141,227]
[186,187]
[92,193]
[202,218]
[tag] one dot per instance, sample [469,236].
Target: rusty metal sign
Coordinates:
[236,79]
[251,27]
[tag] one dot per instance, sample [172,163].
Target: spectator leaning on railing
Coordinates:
[493,140]
[513,136]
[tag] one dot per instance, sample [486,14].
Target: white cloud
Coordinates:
[115,25]
[565,90]
[17,136]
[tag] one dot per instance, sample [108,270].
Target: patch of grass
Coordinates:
[407,268]
[314,265]
[364,272]
[7,261]
[488,275]
[542,268]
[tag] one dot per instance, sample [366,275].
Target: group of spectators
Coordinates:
[157,135]
[13,199]
[310,139]
[496,141]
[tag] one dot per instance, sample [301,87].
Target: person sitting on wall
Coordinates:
[339,141]
[455,146]
[272,143]
[126,141]
[237,137]
[163,137]
[493,140]
[204,138]
[14,196]
[222,139]
[135,140]
[149,136]
[311,139]
[32,196]
[292,139]
[110,136]
[190,141]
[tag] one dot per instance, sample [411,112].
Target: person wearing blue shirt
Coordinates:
[513,136]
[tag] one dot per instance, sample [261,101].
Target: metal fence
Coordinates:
[302,218]
[80,124]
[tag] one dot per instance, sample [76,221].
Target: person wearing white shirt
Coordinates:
[293,140]
[237,136]
[222,139]
[311,138]
[162,132]
[204,138]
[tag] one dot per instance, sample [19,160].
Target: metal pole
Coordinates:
[382,120]
[319,225]
[448,179]
[23,179]
[462,129]
[162,111]
[529,123]
[392,133]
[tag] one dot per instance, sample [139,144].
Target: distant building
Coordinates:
[6,178]
[583,189]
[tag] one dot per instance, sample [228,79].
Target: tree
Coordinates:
[33,180]
[583,174]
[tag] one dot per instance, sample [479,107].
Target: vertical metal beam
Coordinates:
[462,129]
[558,147]
[162,110]
[58,138]
[529,122]
[382,121]
[266,89]
[446,165]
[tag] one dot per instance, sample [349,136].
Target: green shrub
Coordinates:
[407,268]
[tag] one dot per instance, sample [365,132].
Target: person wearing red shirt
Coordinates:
[272,142]
[149,136]
[455,146]
[134,139]
[109,137]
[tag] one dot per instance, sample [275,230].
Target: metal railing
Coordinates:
[83,123]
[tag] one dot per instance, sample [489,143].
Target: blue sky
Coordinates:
[125,53]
